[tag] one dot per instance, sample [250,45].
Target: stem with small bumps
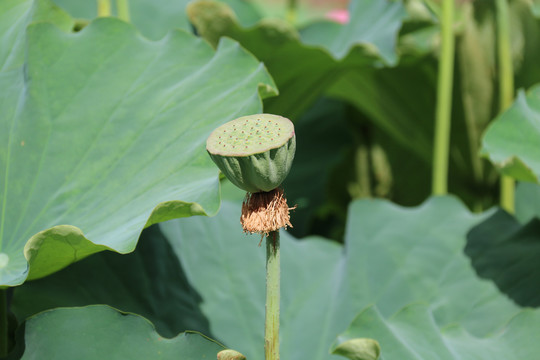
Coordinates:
[444,101]
[506,90]
[122,8]
[271,326]
[292,9]
[103,8]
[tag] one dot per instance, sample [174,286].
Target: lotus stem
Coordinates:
[3,323]
[271,326]
[506,90]
[103,8]
[444,101]
[292,8]
[122,7]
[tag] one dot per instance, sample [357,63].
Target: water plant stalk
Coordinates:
[444,101]
[292,9]
[3,324]
[271,325]
[103,8]
[506,90]
[122,7]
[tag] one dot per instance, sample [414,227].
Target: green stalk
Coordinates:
[3,324]
[271,325]
[103,8]
[506,90]
[444,101]
[292,6]
[122,7]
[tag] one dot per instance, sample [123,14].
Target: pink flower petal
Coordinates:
[340,16]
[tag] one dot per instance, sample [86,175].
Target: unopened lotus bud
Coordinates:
[254,152]
[230,355]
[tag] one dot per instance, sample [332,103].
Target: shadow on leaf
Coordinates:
[506,252]
[149,282]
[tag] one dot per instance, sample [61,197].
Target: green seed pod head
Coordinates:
[255,152]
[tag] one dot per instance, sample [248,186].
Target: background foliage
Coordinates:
[102,137]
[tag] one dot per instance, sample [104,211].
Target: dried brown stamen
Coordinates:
[263,212]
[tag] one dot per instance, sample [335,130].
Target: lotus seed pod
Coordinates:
[255,152]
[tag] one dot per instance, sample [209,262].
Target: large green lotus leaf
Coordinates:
[527,201]
[242,293]
[101,332]
[301,71]
[104,134]
[392,257]
[503,250]
[512,141]
[15,15]
[149,282]
[536,8]
[413,334]
[374,24]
